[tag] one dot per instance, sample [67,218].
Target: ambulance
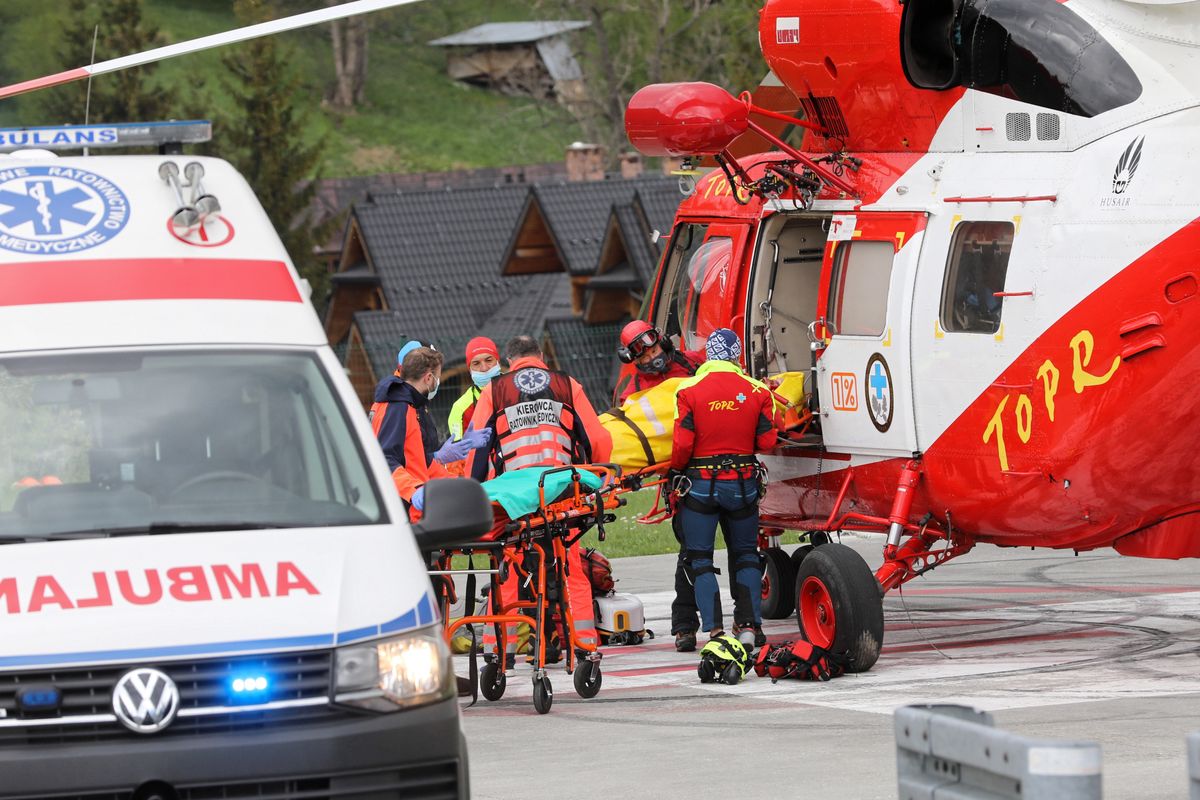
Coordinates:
[208,584]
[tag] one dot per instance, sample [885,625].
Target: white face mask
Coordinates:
[482,379]
[437,383]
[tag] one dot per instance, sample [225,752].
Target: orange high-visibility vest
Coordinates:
[534,420]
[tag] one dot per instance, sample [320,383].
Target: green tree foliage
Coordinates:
[266,139]
[632,43]
[125,96]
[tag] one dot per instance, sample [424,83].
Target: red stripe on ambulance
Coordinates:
[42,282]
[190,584]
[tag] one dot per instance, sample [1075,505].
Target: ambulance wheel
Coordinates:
[543,695]
[731,674]
[588,679]
[706,671]
[778,582]
[492,681]
[840,605]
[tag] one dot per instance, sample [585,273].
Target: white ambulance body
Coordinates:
[207,579]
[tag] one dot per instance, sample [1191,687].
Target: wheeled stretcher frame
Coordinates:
[534,547]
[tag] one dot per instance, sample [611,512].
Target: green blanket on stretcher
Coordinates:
[517,491]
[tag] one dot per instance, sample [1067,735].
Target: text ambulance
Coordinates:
[208,586]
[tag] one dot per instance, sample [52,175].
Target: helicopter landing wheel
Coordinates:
[840,605]
[778,598]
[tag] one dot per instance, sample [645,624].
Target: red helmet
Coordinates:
[637,337]
[633,330]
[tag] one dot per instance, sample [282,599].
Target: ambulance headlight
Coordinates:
[399,672]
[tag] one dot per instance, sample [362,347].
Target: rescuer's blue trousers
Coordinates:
[737,512]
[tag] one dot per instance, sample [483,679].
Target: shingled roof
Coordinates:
[588,354]
[573,216]
[659,202]
[641,252]
[438,258]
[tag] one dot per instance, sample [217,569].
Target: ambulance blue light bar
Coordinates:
[123,134]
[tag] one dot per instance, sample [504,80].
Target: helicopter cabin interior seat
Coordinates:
[784,294]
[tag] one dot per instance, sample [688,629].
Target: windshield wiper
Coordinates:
[149,529]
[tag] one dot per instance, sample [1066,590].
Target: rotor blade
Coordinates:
[204,43]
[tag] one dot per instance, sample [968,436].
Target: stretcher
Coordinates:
[533,547]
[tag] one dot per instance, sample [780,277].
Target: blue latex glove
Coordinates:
[418,499]
[452,451]
[477,438]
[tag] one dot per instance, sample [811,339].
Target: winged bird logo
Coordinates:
[1128,165]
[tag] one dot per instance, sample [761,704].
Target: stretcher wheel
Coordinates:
[840,605]
[492,681]
[543,695]
[731,674]
[588,679]
[778,584]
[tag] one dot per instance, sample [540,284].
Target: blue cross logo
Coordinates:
[50,211]
[45,208]
[879,380]
[741,398]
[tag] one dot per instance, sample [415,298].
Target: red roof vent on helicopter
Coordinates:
[684,119]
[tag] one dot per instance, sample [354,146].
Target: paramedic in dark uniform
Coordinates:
[723,418]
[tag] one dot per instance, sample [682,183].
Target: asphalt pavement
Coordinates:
[1091,647]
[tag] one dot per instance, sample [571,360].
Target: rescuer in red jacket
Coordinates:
[653,356]
[724,417]
[539,418]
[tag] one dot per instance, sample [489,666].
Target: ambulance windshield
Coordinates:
[175,441]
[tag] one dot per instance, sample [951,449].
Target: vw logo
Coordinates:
[145,700]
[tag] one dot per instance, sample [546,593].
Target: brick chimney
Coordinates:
[670,163]
[585,162]
[631,165]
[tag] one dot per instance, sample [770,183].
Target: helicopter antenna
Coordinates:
[87,103]
[204,43]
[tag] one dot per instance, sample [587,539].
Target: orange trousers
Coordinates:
[578,599]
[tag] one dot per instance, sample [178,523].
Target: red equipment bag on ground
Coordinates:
[799,659]
[599,571]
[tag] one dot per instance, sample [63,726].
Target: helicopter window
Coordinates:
[697,283]
[975,271]
[859,289]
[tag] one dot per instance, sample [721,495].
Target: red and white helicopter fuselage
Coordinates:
[997,270]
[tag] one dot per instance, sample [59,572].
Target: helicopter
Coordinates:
[980,252]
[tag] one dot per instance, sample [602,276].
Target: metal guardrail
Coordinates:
[949,752]
[1193,751]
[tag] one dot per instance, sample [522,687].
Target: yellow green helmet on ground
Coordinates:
[724,658]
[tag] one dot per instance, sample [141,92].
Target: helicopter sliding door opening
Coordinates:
[783,297]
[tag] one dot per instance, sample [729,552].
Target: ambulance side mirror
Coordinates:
[456,510]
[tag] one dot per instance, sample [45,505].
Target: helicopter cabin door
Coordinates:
[862,332]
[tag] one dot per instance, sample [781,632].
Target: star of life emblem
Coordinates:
[57,210]
[879,392]
[532,381]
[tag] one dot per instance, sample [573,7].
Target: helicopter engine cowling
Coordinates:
[684,119]
[841,59]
